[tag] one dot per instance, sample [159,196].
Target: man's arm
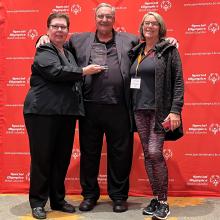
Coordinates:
[42,40]
[173,41]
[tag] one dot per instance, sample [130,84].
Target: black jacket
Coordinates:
[55,84]
[169,86]
[81,44]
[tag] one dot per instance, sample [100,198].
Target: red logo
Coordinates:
[215,179]
[76,9]
[213,27]
[214,77]
[32,33]
[166,5]
[167,153]
[215,128]
[75,153]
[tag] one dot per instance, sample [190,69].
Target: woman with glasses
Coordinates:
[157,87]
[51,108]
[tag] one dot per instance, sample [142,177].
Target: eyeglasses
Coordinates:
[108,17]
[57,27]
[152,23]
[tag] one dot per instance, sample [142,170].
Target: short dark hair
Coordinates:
[58,15]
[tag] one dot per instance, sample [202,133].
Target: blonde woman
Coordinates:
[157,86]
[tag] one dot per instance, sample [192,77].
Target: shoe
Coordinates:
[87,204]
[162,211]
[120,206]
[39,213]
[66,207]
[151,208]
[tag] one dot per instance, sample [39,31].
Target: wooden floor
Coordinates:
[17,207]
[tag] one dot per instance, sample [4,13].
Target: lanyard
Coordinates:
[141,58]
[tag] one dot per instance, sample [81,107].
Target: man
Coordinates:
[107,104]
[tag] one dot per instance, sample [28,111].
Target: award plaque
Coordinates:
[99,54]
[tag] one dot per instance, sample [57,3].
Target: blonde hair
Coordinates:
[163,29]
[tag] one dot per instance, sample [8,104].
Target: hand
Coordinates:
[92,68]
[173,41]
[175,121]
[43,40]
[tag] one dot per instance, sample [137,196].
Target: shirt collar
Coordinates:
[108,42]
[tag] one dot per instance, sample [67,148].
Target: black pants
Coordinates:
[51,141]
[113,121]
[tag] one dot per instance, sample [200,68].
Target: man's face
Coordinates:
[104,20]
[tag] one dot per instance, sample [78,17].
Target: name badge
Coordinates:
[135,83]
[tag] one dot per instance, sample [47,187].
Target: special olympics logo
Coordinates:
[214,77]
[32,33]
[75,153]
[215,179]
[213,27]
[27,177]
[120,29]
[76,9]
[167,153]
[28,80]
[166,5]
[215,128]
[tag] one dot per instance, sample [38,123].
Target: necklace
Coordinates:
[147,51]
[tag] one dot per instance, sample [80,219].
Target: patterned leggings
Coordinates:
[152,144]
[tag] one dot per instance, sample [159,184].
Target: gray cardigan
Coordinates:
[169,85]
